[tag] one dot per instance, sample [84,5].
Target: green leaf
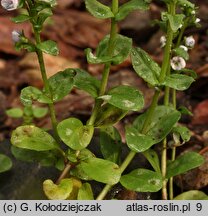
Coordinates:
[85,192]
[30,47]
[186,3]
[58,192]
[176,21]
[5,163]
[79,173]
[49,47]
[45,158]
[98,10]
[189,72]
[61,84]
[145,67]
[130,6]
[192,195]
[110,144]
[86,82]
[101,170]
[74,134]
[15,112]
[181,52]
[33,138]
[142,180]
[184,132]
[184,163]
[179,82]
[39,112]
[28,94]
[185,111]
[163,120]
[153,159]
[121,49]
[21,18]
[42,16]
[136,141]
[108,115]
[124,97]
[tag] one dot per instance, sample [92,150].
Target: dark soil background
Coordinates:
[74,29]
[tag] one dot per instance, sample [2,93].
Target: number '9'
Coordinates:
[198,206]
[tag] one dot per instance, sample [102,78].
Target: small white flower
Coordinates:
[178,63]
[162,41]
[193,12]
[190,41]
[10,4]
[184,47]
[16,35]
[197,20]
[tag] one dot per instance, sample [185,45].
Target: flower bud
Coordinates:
[190,41]
[177,63]
[162,41]
[16,34]
[184,48]
[197,20]
[10,4]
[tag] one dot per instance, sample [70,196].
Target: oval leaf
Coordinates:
[136,141]
[49,47]
[5,163]
[176,21]
[33,138]
[142,180]
[121,49]
[183,163]
[102,170]
[85,192]
[130,6]
[110,144]
[74,134]
[39,112]
[98,10]
[192,195]
[124,97]
[15,112]
[145,67]
[21,18]
[58,192]
[178,81]
[61,84]
[86,82]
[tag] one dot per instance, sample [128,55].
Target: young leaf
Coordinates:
[5,163]
[110,144]
[15,112]
[85,192]
[58,192]
[121,49]
[130,6]
[124,97]
[39,112]
[28,94]
[136,141]
[86,82]
[179,82]
[21,18]
[33,138]
[183,163]
[181,52]
[145,67]
[184,132]
[49,47]
[186,3]
[74,134]
[185,111]
[176,21]
[98,9]
[61,84]
[108,115]
[189,72]
[101,170]
[45,158]
[153,159]
[30,47]
[142,180]
[192,195]
[79,173]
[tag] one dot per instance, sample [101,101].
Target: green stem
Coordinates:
[106,71]
[46,84]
